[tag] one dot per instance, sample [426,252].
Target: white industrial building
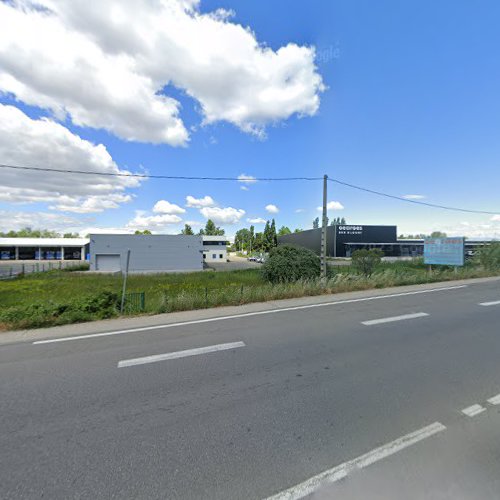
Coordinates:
[43,248]
[152,253]
[215,248]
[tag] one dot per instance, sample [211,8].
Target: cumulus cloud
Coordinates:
[247,179]
[144,221]
[414,196]
[206,201]
[15,220]
[115,64]
[332,205]
[299,210]
[165,207]
[272,209]
[244,188]
[227,215]
[257,220]
[42,142]
[495,218]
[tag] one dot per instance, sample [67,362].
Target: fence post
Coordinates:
[60,265]
[241,293]
[11,271]
[125,282]
[22,269]
[206,296]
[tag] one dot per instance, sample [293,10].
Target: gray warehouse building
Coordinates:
[148,253]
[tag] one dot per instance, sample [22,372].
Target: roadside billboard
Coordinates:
[444,251]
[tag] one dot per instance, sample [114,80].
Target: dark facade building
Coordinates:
[349,238]
[337,244]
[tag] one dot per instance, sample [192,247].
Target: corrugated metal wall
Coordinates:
[150,253]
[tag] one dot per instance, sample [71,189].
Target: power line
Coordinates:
[171,177]
[249,180]
[416,202]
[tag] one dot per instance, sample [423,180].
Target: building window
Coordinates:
[204,256]
[214,256]
[221,256]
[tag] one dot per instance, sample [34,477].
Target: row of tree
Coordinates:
[335,222]
[28,232]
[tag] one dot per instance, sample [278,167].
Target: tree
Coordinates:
[258,242]
[366,261]
[438,234]
[273,235]
[298,230]
[188,230]
[71,235]
[316,223]
[337,221]
[289,263]
[242,239]
[146,231]
[211,229]
[284,230]
[27,232]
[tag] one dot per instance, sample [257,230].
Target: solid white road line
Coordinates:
[495,303]
[495,400]
[394,318]
[340,471]
[472,411]
[179,354]
[243,315]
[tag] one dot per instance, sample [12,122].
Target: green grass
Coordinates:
[59,297]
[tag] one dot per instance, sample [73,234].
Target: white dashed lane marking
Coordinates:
[472,411]
[179,354]
[394,318]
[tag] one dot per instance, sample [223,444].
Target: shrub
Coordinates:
[289,263]
[489,256]
[365,261]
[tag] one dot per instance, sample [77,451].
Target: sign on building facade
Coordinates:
[444,251]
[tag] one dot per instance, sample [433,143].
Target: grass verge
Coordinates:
[59,297]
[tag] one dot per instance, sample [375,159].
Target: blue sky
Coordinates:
[409,105]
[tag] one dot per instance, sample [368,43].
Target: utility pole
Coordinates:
[323,230]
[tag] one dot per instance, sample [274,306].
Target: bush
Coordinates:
[365,261]
[100,306]
[289,263]
[489,256]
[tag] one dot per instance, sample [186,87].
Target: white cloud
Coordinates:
[194,223]
[144,221]
[42,142]
[247,179]
[206,201]
[227,215]
[299,210]
[332,205]
[495,218]
[115,62]
[272,209]
[14,220]
[414,196]
[257,220]
[165,207]
[244,188]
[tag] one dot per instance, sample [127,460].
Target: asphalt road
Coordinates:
[296,393]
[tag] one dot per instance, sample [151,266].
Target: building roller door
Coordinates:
[108,262]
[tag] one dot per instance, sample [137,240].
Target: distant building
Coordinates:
[44,248]
[215,248]
[350,237]
[148,253]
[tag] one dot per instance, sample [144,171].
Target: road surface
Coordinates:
[394,395]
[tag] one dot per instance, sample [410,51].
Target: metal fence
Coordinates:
[134,302]
[10,270]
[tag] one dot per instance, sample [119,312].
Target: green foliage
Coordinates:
[489,256]
[283,230]
[188,230]
[28,232]
[365,261]
[288,263]
[316,223]
[146,231]
[99,306]
[337,221]
[211,229]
